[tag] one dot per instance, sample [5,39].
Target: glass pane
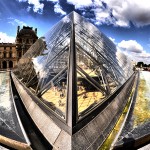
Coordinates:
[53,85]
[112,83]
[91,86]
[88,93]
[25,64]
[43,69]
[95,81]
[56,94]
[100,69]
[57,57]
[52,69]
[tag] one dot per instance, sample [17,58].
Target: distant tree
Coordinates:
[140,64]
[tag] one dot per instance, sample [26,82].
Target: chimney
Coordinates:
[36,31]
[18,29]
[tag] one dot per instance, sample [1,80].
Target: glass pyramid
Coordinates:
[73,68]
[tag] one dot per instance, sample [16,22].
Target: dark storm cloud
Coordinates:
[141,19]
[135,11]
[118,13]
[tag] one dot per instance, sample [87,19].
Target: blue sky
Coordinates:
[125,22]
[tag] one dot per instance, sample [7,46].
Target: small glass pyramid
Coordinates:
[73,68]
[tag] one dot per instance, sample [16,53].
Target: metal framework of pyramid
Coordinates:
[73,69]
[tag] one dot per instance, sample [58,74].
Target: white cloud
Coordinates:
[37,5]
[112,39]
[80,3]
[14,21]
[54,1]
[6,39]
[144,57]
[134,50]
[144,54]
[131,46]
[102,16]
[118,13]
[122,23]
[29,8]
[23,0]
[136,11]
[58,9]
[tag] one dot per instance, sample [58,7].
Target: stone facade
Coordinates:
[10,53]
[24,39]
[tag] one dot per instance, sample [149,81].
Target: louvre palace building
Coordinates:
[10,53]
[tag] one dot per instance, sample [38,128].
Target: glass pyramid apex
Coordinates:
[73,69]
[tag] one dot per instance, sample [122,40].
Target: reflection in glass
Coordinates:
[43,69]
[94,82]
[99,67]
[90,85]
[54,84]
[88,93]
[56,94]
